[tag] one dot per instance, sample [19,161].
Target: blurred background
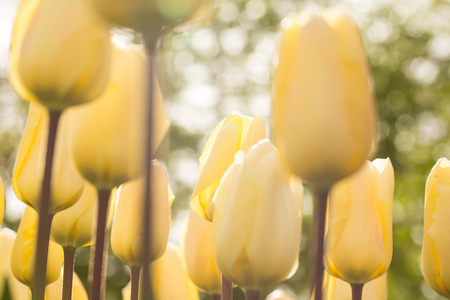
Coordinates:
[225,65]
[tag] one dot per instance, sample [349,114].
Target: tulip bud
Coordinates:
[16,289]
[110,132]
[2,201]
[336,289]
[436,240]
[169,278]
[234,133]
[199,255]
[127,229]
[60,53]
[358,246]
[53,291]
[24,251]
[67,184]
[72,227]
[257,219]
[324,119]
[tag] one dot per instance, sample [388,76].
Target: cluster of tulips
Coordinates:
[96,118]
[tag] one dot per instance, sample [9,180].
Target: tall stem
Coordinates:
[252,295]
[146,245]
[99,255]
[69,259]
[135,274]
[357,290]
[215,296]
[320,210]
[227,289]
[45,217]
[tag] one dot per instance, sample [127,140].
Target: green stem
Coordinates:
[357,290]
[99,251]
[135,274]
[252,295]
[320,210]
[69,259]
[227,289]
[45,217]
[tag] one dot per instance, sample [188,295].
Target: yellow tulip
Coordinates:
[67,183]
[110,132]
[60,53]
[234,133]
[2,202]
[53,291]
[127,229]
[24,251]
[336,289]
[169,278]
[324,121]
[257,219]
[279,295]
[199,255]
[358,245]
[16,289]
[72,227]
[436,240]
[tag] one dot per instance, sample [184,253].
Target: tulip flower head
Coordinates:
[127,229]
[67,184]
[257,219]
[54,290]
[436,240]
[24,251]
[280,295]
[60,53]
[2,201]
[110,132]
[324,121]
[199,254]
[358,246]
[336,289]
[234,133]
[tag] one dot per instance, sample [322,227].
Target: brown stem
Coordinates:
[357,290]
[320,210]
[252,295]
[45,217]
[215,296]
[69,259]
[99,255]
[227,289]
[135,274]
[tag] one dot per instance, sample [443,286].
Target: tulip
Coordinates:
[53,291]
[109,133]
[436,240]
[324,121]
[199,255]
[279,295]
[257,219]
[24,248]
[336,289]
[358,245]
[60,53]
[2,201]
[127,229]
[234,133]
[169,278]
[16,289]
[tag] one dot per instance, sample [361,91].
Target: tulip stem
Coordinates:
[320,210]
[357,290]
[99,246]
[69,259]
[45,217]
[135,274]
[146,245]
[227,289]
[215,296]
[252,295]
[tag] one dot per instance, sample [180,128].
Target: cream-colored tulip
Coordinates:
[110,132]
[67,183]
[24,251]
[199,255]
[257,219]
[336,289]
[358,245]
[17,290]
[53,291]
[280,295]
[234,133]
[436,240]
[169,278]
[60,52]
[324,120]
[127,229]
[72,227]
[2,201]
